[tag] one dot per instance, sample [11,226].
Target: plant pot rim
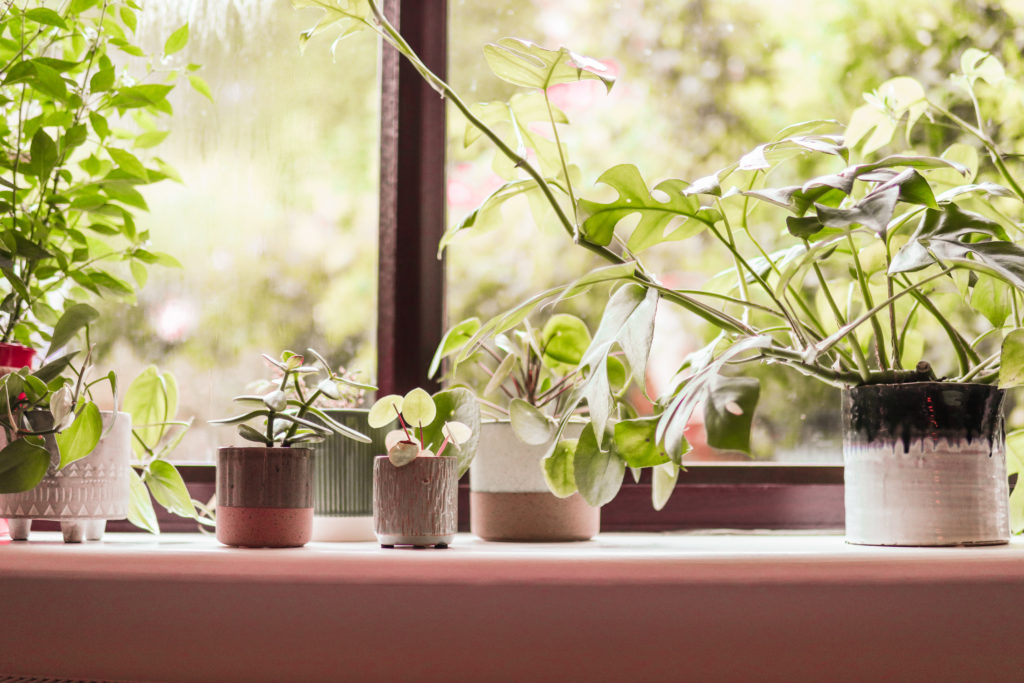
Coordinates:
[262,449]
[937,383]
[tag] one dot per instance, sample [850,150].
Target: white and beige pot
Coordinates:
[83,495]
[925,465]
[509,499]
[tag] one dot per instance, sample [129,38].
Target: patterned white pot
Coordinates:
[83,495]
[925,465]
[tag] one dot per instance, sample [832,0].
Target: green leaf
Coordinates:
[250,434]
[677,218]
[140,96]
[523,63]
[140,510]
[530,425]
[384,411]
[168,488]
[454,340]
[200,86]
[991,298]
[74,319]
[152,401]
[45,15]
[80,439]
[403,453]
[455,405]
[418,408]
[564,340]
[43,153]
[102,81]
[598,473]
[558,469]
[636,442]
[176,41]
[729,412]
[128,163]
[1011,368]
[23,464]
[663,483]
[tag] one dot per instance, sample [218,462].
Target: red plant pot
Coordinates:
[14,357]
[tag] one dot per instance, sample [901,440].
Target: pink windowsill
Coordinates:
[705,607]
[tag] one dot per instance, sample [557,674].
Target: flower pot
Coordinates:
[83,495]
[416,504]
[264,496]
[925,465]
[343,481]
[509,499]
[13,357]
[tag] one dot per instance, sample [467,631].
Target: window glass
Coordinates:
[699,84]
[275,221]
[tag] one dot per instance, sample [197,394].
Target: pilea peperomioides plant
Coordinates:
[428,427]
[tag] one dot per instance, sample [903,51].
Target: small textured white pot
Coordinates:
[83,495]
[925,465]
[509,499]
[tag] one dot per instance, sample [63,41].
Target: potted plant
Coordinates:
[265,492]
[851,276]
[530,376]
[82,101]
[415,486]
[343,467]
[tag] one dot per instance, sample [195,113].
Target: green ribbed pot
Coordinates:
[343,481]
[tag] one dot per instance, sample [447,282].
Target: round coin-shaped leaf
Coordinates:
[418,408]
[384,411]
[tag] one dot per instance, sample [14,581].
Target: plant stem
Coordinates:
[865,288]
[565,166]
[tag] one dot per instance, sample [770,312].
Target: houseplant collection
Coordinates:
[880,274]
[265,492]
[415,486]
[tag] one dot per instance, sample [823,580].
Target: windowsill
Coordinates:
[638,606]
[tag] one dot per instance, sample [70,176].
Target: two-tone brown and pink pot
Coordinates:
[509,499]
[264,496]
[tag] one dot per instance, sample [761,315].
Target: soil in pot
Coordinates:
[416,504]
[264,496]
[925,465]
[509,499]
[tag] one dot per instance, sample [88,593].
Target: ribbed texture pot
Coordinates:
[343,481]
[925,465]
[509,499]
[83,495]
[416,504]
[264,496]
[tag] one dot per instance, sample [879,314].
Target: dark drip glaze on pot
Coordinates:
[918,410]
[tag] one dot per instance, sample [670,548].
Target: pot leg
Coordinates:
[94,529]
[19,528]
[73,530]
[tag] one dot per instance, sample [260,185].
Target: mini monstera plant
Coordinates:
[430,426]
[875,268]
[286,410]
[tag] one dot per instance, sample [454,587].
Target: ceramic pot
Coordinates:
[83,495]
[343,481]
[509,499]
[264,496]
[13,357]
[925,465]
[416,504]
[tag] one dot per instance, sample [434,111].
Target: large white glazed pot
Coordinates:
[509,499]
[925,465]
[83,495]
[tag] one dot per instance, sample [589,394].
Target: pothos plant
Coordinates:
[288,415]
[882,269]
[152,402]
[80,102]
[445,424]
